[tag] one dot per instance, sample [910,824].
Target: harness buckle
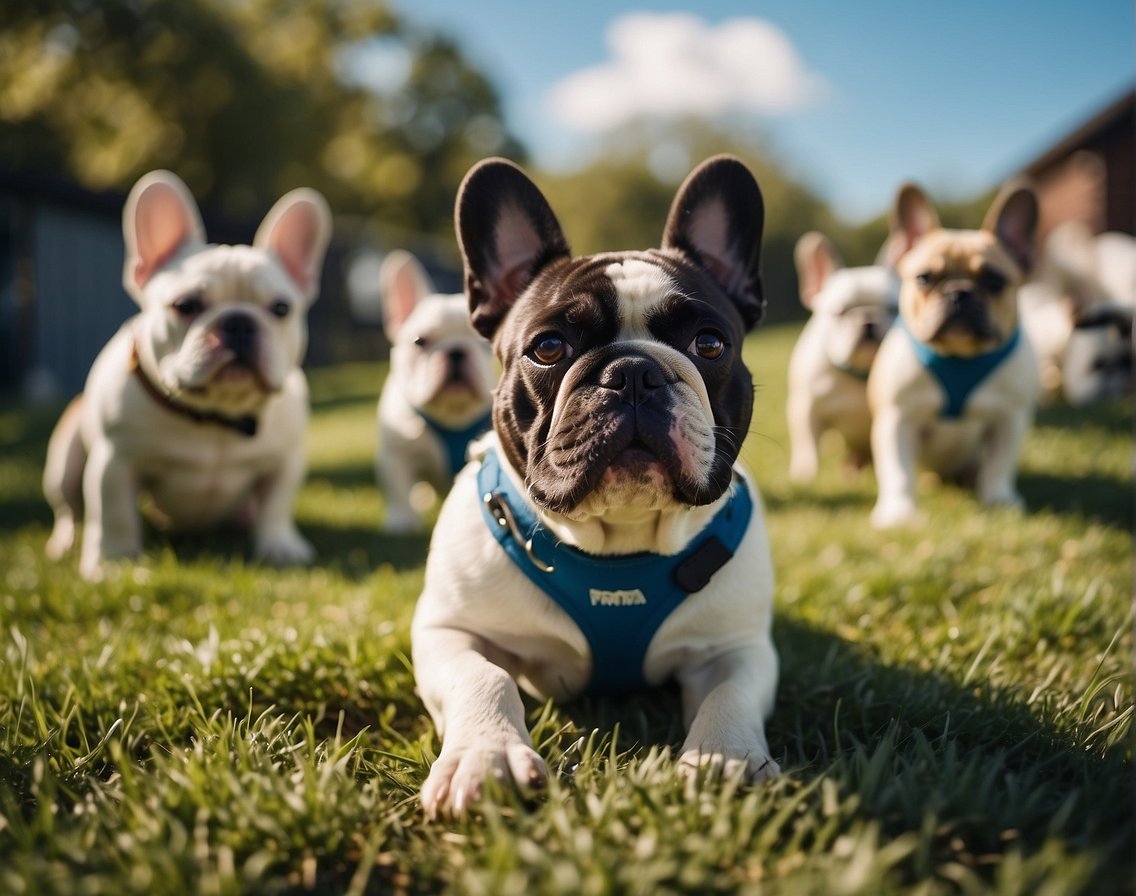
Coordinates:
[500,510]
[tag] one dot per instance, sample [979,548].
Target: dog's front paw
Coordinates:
[98,562]
[895,512]
[92,569]
[456,780]
[1002,497]
[284,547]
[715,762]
[103,569]
[62,538]
[803,469]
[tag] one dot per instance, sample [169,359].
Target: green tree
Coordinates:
[245,100]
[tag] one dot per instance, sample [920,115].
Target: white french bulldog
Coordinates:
[603,538]
[852,309]
[437,396]
[198,403]
[955,383]
[1078,312]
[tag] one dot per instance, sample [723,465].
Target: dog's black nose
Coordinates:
[455,361]
[636,379]
[960,297]
[238,334]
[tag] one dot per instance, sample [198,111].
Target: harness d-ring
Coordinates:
[501,511]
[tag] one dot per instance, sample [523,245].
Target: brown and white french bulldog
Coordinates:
[198,402]
[603,538]
[852,309]
[954,386]
[437,396]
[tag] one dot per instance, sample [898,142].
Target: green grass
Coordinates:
[955,712]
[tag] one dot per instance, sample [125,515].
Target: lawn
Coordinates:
[954,716]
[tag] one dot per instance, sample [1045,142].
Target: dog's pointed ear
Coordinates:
[912,217]
[297,230]
[507,233]
[159,218]
[1012,218]
[716,218]
[403,283]
[817,259]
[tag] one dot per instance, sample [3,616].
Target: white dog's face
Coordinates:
[854,307]
[225,326]
[860,305]
[442,366]
[445,365]
[221,326]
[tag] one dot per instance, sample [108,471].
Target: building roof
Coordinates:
[1118,113]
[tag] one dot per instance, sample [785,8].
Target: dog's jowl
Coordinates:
[603,538]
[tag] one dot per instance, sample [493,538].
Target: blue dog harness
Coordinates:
[456,441]
[618,602]
[959,377]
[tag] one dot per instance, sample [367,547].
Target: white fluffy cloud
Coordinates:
[669,64]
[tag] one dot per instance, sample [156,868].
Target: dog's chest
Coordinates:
[199,474]
[202,481]
[948,445]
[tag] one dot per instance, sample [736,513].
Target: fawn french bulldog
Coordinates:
[955,383]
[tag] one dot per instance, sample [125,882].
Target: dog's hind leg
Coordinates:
[63,479]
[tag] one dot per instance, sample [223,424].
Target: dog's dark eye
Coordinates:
[549,349]
[279,308]
[189,306]
[709,344]
[992,281]
[421,341]
[925,279]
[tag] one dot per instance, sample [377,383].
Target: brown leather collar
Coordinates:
[245,425]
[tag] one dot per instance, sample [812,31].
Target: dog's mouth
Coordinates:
[628,460]
[636,458]
[450,380]
[963,330]
[456,384]
[963,341]
[233,372]
[227,384]
[237,369]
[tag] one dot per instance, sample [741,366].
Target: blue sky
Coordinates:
[956,96]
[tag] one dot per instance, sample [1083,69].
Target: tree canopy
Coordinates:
[246,100]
